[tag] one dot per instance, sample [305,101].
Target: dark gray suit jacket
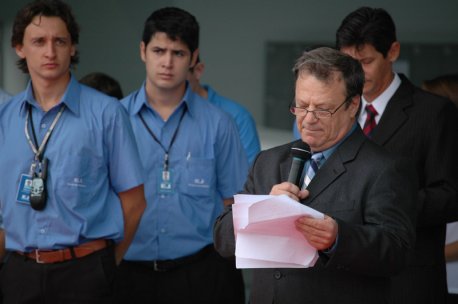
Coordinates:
[424,127]
[369,194]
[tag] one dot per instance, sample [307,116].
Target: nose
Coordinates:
[50,49]
[167,60]
[310,117]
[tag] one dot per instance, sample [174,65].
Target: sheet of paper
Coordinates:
[266,236]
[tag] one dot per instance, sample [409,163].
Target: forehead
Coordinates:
[361,51]
[42,25]
[308,87]
[161,39]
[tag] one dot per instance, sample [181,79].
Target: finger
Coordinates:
[286,188]
[303,194]
[327,231]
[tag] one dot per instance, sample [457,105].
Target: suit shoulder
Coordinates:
[278,152]
[426,100]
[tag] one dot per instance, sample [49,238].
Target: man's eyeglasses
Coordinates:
[302,112]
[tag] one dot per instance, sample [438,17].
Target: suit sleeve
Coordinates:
[379,244]
[223,229]
[438,197]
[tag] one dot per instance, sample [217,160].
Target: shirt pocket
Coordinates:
[80,179]
[199,177]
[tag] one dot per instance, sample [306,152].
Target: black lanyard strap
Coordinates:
[39,152]
[166,151]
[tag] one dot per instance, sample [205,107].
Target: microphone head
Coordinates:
[301,150]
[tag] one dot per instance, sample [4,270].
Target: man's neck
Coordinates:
[202,92]
[386,83]
[49,93]
[164,102]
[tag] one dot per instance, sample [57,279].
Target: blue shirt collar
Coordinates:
[71,97]
[188,99]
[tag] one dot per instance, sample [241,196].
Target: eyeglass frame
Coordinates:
[291,109]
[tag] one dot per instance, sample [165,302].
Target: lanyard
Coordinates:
[41,149]
[166,156]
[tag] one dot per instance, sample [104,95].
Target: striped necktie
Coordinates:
[370,123]
[313,168]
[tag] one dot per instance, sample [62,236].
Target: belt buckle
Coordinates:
[37,257]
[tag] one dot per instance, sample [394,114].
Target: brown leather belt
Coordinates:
[62,255]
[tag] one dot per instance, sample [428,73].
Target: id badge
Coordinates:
[165,181]
[25,186]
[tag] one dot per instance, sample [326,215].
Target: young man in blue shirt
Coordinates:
[72,184]
[194,163]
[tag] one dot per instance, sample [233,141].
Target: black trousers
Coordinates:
[211,279]
[85,280]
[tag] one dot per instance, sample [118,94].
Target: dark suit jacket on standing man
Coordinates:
[424,127]
[369,194]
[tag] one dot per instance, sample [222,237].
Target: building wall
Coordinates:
[233,36]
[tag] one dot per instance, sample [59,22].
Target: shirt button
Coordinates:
[43,126]
[163,230]
[162,196]
[42,231]
[277,275]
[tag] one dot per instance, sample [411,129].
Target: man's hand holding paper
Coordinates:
[266,233]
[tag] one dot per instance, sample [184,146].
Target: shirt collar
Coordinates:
[188,100]
[381,101]
[71,97]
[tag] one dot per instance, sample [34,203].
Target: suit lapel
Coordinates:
[335,165]
[285,167]
[394,115]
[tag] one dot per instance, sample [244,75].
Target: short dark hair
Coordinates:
[103,83]
[47,8]
[324,62]
[367,25]
[178,24]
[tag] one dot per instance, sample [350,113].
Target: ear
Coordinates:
[394,51]
[143,51]
[194,58]
[354,105]
[19,52]
[199,70]
[73,50]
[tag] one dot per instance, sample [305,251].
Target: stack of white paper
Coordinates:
[266,236]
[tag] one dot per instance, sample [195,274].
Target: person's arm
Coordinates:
[451,252]
[2,244]
[133,204]
[438,195]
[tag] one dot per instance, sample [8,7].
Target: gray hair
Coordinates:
[326,64]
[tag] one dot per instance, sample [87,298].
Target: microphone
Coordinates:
[301,153]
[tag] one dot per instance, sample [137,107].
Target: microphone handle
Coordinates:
[296,171]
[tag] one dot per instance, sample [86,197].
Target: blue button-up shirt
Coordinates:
[207,164]
[92,156]
[243,120]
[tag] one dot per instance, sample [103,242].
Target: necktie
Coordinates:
[313,168]
[370,123]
